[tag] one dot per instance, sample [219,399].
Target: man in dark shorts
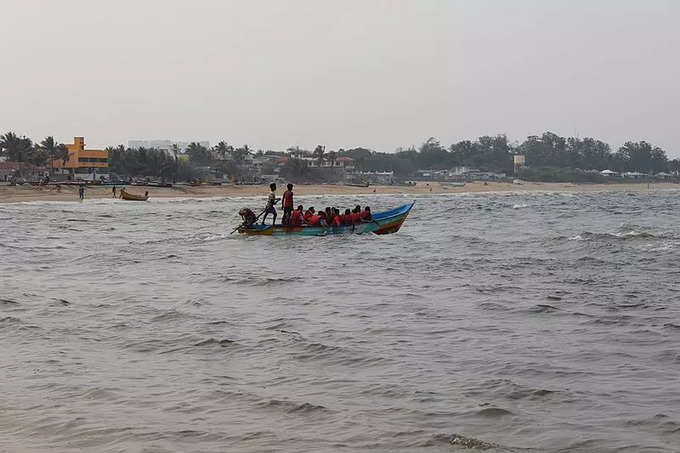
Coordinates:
[271,202]
[287,204]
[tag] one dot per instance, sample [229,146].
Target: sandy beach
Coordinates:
[13,194]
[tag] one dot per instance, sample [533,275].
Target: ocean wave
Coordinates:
[493,412]
[291,407]
[215,342]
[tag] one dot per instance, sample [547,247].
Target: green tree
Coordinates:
[53,150]
[17,149]
[318,153]
[240,154]
[332,157]
[642,157]
[295,170]
[223,150]
[199,154]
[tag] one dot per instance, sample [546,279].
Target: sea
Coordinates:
[498,322]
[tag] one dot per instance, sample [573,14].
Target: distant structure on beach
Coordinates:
[165,145]
[83,161]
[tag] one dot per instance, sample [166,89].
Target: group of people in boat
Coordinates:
[329,217]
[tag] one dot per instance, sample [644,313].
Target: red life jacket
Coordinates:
[336,221]
[355,217]
[314,219]
[288,199]
[307,215]
[296,218]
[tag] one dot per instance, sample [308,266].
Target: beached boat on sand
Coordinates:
[383,223]
[132,197]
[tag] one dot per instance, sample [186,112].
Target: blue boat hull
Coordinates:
[385,222]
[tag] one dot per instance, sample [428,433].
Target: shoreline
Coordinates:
[17,194]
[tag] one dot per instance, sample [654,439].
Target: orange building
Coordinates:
[81,158]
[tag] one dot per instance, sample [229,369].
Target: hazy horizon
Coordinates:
[379,74]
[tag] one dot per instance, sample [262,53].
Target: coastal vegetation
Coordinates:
[549,157]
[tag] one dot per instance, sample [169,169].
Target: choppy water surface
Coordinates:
[507,322]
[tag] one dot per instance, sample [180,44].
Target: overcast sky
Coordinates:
[374,73]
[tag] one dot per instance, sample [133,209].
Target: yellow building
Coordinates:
[81,158]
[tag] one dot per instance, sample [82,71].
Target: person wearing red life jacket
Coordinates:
[315,219]
[366,214]
[296,217]
[346,218]
[287,204]
[355,215]
[336,222]
[308,214]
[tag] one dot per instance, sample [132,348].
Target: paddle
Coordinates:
[244,223]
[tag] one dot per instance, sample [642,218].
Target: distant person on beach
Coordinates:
[114,191]
[287,204]
[81,192]
[271,202]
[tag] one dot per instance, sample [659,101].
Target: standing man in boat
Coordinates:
[271,202]
[287,204]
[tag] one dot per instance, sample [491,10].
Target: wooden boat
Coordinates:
[385,222]
[132,197]
[449,185]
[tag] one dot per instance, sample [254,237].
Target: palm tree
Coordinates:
[222,149]
[50,146]
[332,157]
[17,149]
[318,153]
[198,153]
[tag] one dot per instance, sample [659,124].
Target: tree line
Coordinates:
[22,149]
[548,156]
[495,154]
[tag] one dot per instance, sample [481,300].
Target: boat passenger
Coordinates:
[336,222]
[318,219]
[347,217]
[324,220]
[248,217]
[355,215]
[296,217]
[366,214]
[271,202]
[308,214]
[329,214]
[287,204]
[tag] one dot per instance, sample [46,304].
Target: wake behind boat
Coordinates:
[385,222]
